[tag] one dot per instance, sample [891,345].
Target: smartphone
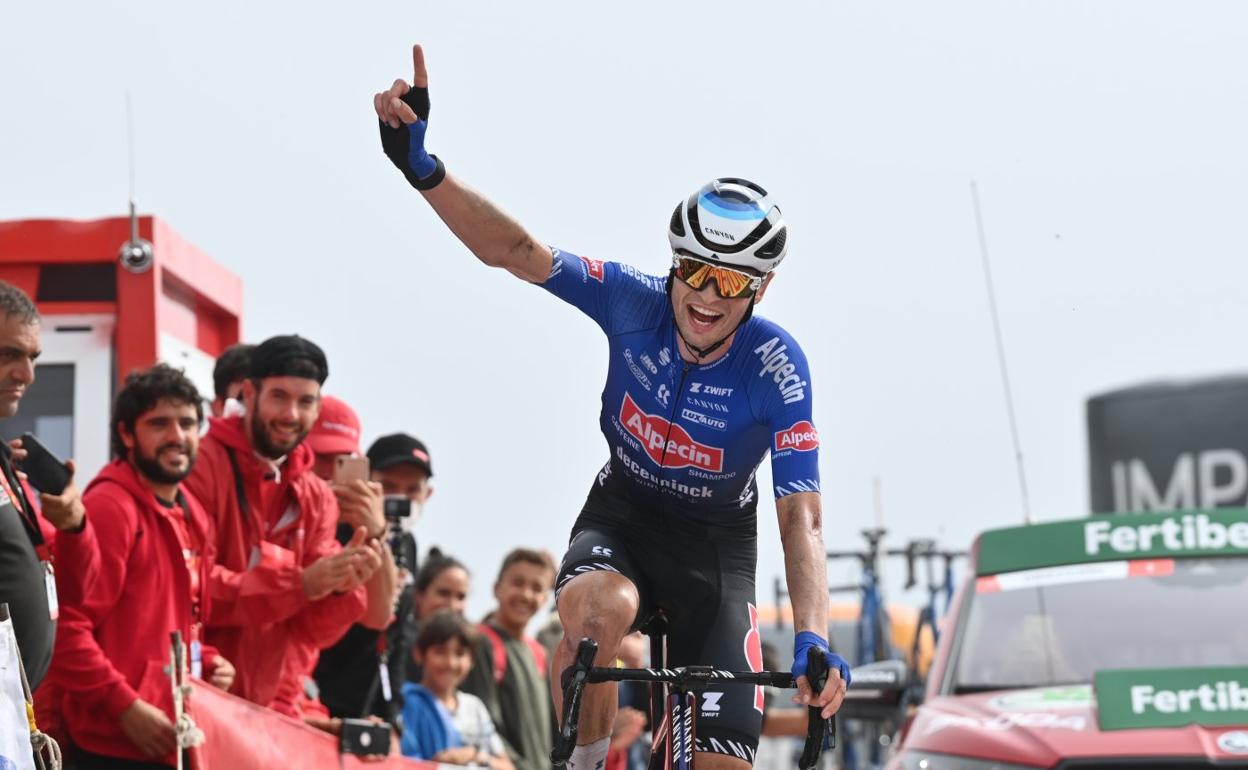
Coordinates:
[364,738]
[43,470]
[349,468]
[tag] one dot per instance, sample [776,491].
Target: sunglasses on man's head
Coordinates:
[729,283]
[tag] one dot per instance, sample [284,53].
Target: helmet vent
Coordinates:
[677,226]
[774,247]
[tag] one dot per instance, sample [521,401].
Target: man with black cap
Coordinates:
[360,676]
[402,465]
[283,587]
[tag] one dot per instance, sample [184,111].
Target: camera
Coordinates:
[397,507]
[136,256]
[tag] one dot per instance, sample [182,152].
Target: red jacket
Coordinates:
[112,643]
[260,615]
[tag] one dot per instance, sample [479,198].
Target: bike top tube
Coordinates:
[689,677]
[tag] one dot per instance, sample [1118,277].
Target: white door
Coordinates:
[68,407]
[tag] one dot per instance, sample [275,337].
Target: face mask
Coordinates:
[408,523]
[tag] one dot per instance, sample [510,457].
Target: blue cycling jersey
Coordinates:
[693,435]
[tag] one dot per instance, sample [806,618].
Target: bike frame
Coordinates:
[674,701]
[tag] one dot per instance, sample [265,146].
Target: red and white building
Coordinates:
[103,319]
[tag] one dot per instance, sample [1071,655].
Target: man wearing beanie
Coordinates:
[283,588]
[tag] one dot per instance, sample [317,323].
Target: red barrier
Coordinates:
[239,735]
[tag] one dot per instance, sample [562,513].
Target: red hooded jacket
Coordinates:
[112,644]
[271,522]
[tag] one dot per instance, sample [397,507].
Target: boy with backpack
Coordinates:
[509,670]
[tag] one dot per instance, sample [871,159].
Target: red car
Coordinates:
[1112,641]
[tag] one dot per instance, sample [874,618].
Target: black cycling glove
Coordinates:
[405,145]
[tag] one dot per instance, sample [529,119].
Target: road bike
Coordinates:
[674,697]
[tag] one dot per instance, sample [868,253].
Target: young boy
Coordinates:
[510,669]
[440,722]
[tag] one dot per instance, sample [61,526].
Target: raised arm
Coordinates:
[488,232]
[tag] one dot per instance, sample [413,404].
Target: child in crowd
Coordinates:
[440,722]
[441,584]
[510,668]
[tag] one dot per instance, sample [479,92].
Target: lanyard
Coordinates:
[190,554]
[17,496]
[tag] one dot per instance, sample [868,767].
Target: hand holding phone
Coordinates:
[61,502]
[43,469]
[349,468]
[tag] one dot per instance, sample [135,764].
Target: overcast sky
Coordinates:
[1107,139]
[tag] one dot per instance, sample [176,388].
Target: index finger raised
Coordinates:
[420,77]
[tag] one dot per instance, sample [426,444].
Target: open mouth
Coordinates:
[702,317]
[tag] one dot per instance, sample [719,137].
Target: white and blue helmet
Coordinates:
[731,221]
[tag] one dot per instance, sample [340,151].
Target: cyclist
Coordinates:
[698,391]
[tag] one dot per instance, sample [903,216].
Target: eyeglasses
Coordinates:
[729,283]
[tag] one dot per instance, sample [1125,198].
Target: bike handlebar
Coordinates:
[583,672]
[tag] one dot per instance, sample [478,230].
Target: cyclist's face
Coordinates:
[703,316]
[521,592]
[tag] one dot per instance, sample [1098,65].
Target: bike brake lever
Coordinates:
[573,681]
[816,726]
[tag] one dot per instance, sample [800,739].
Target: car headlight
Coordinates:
[925,760]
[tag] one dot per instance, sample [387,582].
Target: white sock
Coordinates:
[590,757]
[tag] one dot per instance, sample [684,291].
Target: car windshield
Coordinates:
[1062,625]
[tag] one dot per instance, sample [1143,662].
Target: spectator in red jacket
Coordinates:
[112,648]
[354,658]
[282,588]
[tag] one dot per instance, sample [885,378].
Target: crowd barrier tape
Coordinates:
[239,735]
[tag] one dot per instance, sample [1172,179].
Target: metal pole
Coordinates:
[1005,372]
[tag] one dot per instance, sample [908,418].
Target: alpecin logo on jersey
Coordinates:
[783,371]
[657,435]
[801,436]
[595,269]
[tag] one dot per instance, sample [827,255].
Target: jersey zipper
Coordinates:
[680,391]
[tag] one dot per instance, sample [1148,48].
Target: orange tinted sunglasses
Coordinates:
[729,283]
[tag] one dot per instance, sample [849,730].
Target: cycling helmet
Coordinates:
[732,221]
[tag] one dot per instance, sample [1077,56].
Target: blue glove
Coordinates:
[405,145]
[802,644]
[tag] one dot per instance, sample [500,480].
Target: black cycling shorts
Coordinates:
[702,576]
